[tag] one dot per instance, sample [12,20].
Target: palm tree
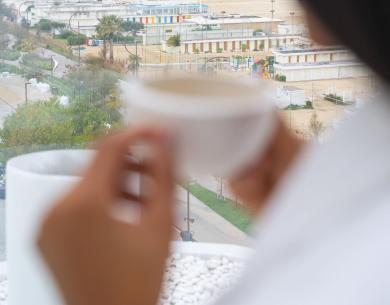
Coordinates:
[108,27]
[316,126]
[57,26]
[134,61]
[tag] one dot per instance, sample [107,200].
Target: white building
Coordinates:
[290,95]
[224,44]
[199,27]
[236,21]
[315,64]
[299,29]
[85,14]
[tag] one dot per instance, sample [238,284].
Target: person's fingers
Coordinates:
[131,197]
[161,172]
[134,166]
[112,156]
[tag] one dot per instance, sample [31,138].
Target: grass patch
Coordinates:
[57,45]
[225,208]
[62,86]
[35,61]
[11,55]
[308,105]
[10,69]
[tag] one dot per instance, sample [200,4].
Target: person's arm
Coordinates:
[96,259]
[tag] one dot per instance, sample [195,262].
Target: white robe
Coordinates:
[325,238]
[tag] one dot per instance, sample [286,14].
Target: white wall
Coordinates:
[324,72]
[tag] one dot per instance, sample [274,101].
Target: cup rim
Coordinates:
[136,95]
[18,163]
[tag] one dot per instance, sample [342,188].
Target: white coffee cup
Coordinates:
[219,126]
[34,182]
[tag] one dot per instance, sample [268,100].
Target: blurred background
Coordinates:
[60,62]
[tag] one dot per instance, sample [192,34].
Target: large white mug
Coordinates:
[219,126]
[34,182]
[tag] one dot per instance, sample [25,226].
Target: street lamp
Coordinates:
[52,64]
[272,15]
[187,235]
[135,71]
[25,91]
[27,9]
[78,32]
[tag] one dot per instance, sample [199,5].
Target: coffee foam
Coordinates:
[201,88]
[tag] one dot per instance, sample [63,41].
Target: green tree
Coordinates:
[108,27]
[316,126]
[174,41]
[93,111]
[134,62]
[95,105]
[133,27]
[75,39]
[38,123]
[5,10]
[44,25]
[57,26]
[262,45]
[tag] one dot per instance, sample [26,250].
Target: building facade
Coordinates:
[265,43]
[316,64]
[85,15]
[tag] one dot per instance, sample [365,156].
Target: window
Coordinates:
[58,77]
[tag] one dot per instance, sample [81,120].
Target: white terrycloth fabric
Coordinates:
[325,238]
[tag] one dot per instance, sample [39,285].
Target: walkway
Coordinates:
[208,225]
[63,62]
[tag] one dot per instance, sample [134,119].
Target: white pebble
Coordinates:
[193,280]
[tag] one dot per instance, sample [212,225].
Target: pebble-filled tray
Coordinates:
[3,284]
[198,273]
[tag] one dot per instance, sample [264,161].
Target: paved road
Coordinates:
[63,62]
[208,225]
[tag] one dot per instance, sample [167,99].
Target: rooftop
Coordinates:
[311,50]
[210,20]
[250,38]
[319,65]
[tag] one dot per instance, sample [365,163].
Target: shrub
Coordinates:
[262,45]
[44,25]
[25,45]
[35,61]
[9,55]
[65,34]
[174,41]
[10,69]
[334,98]
[257,32]
[280,78]
[75,40]
[133,27]
[308,105]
